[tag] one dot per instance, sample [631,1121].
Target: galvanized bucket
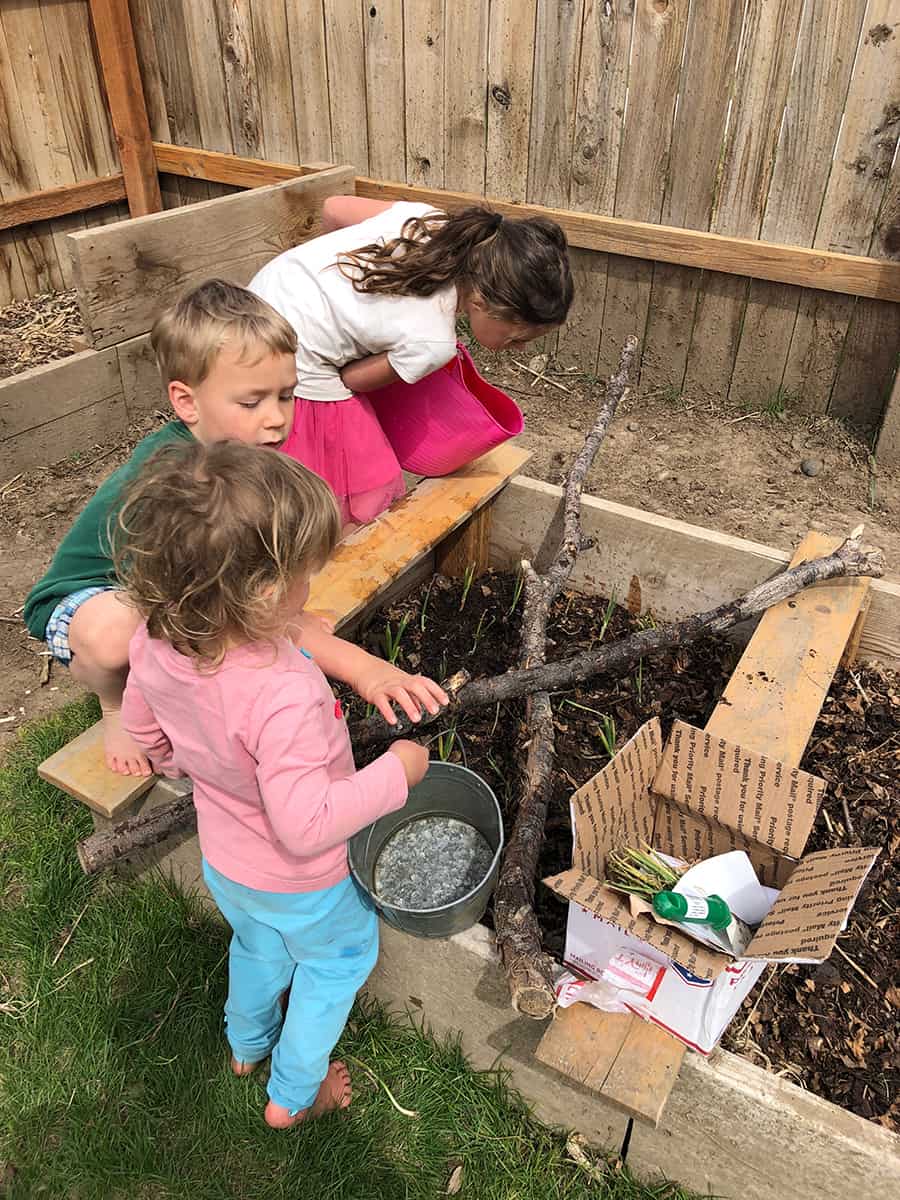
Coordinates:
[447,790]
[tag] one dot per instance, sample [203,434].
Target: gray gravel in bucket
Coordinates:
[431,862]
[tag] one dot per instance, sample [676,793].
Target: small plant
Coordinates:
[393,638]
[607,616]
[670,393]
[639,681]
[567,703]
[646,621]
[607,734]
[496,719]
[517,593]
[639,872]
[425,600]
[480,628]
[444,742]
[468,580]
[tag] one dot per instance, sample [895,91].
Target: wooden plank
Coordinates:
[465,94]
[600,100]
[127,272]
[868,366]
[849,218]
[227,168]
[826,50]
[306,43]
[707,78]
[773,699]
[385,88]
[57,202]
[643,1072]
[242,77]
[54,410]
[510,71]
[888,450]
[557,42]
[80,769]
[121,74]
[151,80]
[347,82]
[467,548]
[850,274]
[367,563]
[423,60]
[142,387]
[741,256]
[765,58]
[656,54]
[582,1042]
[32,126]
[670,567]
[209,98]
[275,79]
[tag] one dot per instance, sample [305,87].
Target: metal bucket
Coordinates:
[447,790]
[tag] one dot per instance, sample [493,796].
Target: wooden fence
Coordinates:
[765,119]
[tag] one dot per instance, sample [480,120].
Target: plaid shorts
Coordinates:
[57,632]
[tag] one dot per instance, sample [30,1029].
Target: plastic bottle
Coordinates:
[701,910]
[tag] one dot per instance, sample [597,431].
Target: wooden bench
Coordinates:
[441,524]
[770,705]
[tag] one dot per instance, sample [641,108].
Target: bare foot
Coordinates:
[123,755]
[242,1068]
[335,1093]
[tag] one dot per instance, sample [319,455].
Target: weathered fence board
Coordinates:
[127,272]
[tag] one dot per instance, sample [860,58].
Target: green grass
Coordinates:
[113,1068]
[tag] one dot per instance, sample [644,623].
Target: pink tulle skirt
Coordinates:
[342,441]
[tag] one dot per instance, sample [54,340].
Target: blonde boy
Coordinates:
[228,361]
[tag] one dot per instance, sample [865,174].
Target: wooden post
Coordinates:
[121,74]
[466,547]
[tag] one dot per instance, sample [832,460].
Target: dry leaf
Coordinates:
[454,1183]
[892,995]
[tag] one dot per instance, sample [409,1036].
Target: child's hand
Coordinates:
[379,683]
[414,759]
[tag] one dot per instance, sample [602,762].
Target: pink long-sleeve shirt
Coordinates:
[264,742]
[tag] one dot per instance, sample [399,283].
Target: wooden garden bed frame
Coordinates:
[727,1127]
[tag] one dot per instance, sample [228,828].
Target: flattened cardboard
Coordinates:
[615,808]
[804,922]
[754,795]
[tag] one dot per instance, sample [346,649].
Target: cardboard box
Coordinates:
[693,798]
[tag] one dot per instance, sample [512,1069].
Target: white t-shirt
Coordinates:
[336,325]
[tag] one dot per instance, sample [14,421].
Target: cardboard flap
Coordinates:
[685,834]
[807,917]
[614,808]
[759,797]
[614,908]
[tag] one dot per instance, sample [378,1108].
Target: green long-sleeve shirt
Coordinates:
[83,559]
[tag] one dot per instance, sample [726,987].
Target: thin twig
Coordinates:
[857,968]
[68,938]
[862,691]
[9,484]
[849,823]
[407,1112]
[745,417]
[544,378]
[761,993]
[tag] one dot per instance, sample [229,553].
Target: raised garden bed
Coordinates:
[850,1052]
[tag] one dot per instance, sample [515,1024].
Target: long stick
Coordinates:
[528,969]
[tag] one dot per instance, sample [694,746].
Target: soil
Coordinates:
[732,470]
[833,1028]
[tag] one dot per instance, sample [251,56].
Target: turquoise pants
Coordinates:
[322,945]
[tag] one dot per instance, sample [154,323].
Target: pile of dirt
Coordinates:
[833,1029]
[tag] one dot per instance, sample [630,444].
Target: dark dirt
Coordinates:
[828,1028]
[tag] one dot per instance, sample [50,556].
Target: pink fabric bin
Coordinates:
[446,419]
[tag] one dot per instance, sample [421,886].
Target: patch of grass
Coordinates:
[115,1084]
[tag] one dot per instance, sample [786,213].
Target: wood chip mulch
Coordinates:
[39,330]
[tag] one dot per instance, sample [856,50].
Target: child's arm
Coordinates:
[310,811]
[377,681]
[340,211]
[139,721]
[369,374]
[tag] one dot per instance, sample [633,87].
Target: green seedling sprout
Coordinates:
[639,872]
[608,735]
[468,580]
[607,616]
[425,600]
[392,639]
[517,593]
[480,628]
[639,681]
